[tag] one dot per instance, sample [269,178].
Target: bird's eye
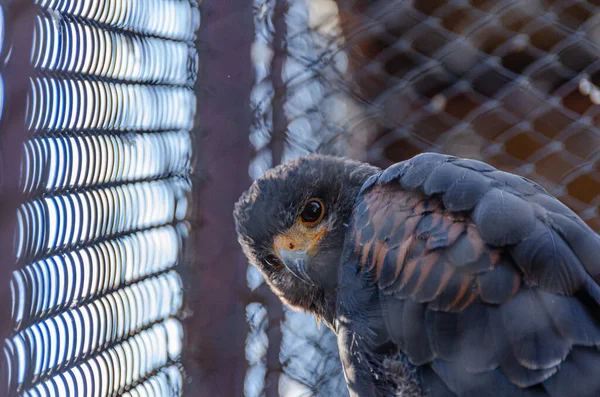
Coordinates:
[313,212]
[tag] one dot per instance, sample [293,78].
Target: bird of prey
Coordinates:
[441,276]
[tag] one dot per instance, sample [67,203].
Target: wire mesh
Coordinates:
[110,108]
[510,82]
[513,83]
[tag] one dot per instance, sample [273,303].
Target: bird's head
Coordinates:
[291,224]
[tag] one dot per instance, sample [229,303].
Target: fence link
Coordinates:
[510,82]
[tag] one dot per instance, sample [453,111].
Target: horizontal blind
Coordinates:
[97,292]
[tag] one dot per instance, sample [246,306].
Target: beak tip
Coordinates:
[297,263]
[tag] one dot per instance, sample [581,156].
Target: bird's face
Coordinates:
[292,224]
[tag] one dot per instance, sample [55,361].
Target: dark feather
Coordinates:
[444,334]
[367,233]
[488,384]
[522,376]
[503,218]
[459,292]
[479,350]
[392,173]
[442,178]
[546,260]
[370,182]
[400,242]
[439,230]
[578,375]
[466,191]
[515,184]
[386,231]
[361,215]
[439,273]
[571,318]
[412,332]
[467,249]
[433,386]
[474,165]
[499,285]
[389,268]
[419,169]
[549,203]
[581,239]
[530,331]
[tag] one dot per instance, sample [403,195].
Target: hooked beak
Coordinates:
[297,262]
[296,250]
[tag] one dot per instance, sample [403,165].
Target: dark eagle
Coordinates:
[440,276]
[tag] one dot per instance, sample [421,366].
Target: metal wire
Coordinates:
[110,107]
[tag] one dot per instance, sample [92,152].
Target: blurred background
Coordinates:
[129,128]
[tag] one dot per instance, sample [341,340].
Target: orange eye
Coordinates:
[313,212]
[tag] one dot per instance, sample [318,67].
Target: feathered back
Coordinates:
[486,282]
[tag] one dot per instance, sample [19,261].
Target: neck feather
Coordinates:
[324,308]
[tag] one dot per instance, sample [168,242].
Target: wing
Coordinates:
[484,278]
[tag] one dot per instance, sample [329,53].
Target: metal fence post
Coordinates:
[217,328]
[15,56]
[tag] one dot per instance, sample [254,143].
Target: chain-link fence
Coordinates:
[96,161]
[513,83]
